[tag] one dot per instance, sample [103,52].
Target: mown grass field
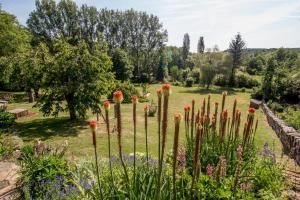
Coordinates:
[55,131]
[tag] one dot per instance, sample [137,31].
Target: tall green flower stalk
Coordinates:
[238,167]
[159,97]
[177,119]
[118,98]
[196,161]
[166,93]
[192,119]
[187,109]
[146,110]
[93,126]
[106,106]
[134,100]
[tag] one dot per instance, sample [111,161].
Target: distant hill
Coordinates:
[258,50]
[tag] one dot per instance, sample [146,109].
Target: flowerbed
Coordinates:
[217,161]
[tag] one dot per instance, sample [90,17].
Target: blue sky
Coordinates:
[262,23]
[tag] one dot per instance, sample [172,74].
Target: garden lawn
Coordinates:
[55,131]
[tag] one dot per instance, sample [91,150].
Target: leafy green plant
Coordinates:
[127,89]
[45,174]
[189,82]
[6,119]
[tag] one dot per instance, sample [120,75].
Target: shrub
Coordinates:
[292,117]
[189,82]
[257,93]
[45,174]
[127,89]
[245,80]
[152,109]
[6,119]
[195,74]
[275,106]
[221,80]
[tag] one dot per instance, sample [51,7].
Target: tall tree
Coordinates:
[236,47]
[121,65]
[268,78]
[13,39]
[201,46]
[161,67]
[185,46]
[76,77]
[140,34]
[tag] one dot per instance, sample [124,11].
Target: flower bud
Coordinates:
[159,92]
[166,89]
[106,105]
[146,108]
[187,108]
[118,96]
[93,124]
[134,99]
[177,117]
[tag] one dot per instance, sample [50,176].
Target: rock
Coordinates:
[255,103]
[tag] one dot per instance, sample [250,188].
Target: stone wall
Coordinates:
[288,136]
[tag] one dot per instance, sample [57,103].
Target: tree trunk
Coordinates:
[36,93]
[72,111]
[231,79]
[30,96]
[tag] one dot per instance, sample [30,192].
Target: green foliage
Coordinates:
[268,78]
[221,80]
[6,119]
[175,73]
[255,65]
[200,46]
[291,115]
[152,109]
[245,80]
[195,74]
[127,89]
[185,46]
[208,73]
[121,65]
[13,39]
[275,106]
[7,146]
[236,47]
[189,82]
[140,34]
[257,93]
[44,173]
[77,76]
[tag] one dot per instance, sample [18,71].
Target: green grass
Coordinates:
[56,130]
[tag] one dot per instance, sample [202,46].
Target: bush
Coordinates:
[275,106]
[189,82]
[152,109]
[257,93]
[195,74]
[127,89]
[221,80]
[292,117]
[245,80]
[6,119]
[45,174]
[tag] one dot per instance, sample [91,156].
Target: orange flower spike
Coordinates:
[251,111]
[93,124]
[225,114]
[159,92]
[187,108]
[177,117]
[134,99]
[106,105]
[118,96]
[146,108]
[166,89]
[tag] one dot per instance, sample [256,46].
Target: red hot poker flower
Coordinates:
[166,88]
[93,124]
[146,108]
[159,92]
[118,96]
[251,110]
[187,108]
[106,105]
[134,99]
[225,114]
[177,117]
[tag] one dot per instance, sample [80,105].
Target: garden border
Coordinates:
[288,136]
